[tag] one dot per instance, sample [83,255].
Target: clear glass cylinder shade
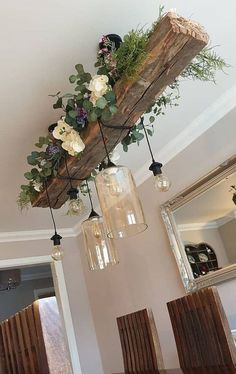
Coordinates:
[119,201]
[100,250]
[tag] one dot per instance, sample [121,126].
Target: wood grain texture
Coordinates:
[202,333]
[171,47]
[202,370]
[139,342]
[32,341]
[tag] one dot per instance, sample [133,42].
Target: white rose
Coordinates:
[98,86]
[61,130]
[73,143]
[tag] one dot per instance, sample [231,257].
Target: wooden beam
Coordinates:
[171,47]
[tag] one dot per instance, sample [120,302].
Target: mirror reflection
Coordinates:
[207,227]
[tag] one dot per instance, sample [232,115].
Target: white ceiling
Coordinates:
[40,44]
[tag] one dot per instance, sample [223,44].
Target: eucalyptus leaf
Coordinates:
[111,97]
[93,116]
[73,113]
[113,109]
[58,103]
[28,175]
[31,160]
[151,119]
[68,95]
[101,102]
[79,68]
[87,105]
[72,78]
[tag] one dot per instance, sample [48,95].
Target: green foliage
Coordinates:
[204,66]
[25,196]
[79,110]
[131,53]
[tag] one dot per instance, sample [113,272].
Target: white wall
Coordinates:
[228,235]
[210,236]
[83,324]
[147,275]
[15,300]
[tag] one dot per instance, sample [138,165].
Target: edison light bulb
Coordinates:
[57,253]
[75,207]
[162,182]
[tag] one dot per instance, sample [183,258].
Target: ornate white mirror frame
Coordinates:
[167,211]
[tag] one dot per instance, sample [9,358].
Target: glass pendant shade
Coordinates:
[119,201]
[100,249]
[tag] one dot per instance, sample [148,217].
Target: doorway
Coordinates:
[49,279]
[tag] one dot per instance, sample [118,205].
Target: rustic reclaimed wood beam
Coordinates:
[171,47]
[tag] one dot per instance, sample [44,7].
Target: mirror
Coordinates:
[201,225]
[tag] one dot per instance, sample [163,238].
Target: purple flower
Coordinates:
[52,150]
[82,116]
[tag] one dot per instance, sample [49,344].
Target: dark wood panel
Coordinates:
[202,333]
[139,343]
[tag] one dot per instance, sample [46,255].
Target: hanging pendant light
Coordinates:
[161,181]
[100,250]
[57,251]
[75,203]
[119,201]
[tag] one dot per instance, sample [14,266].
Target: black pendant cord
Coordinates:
[50,208]
[110,163]
[103,139]
[146,136]
[90,198]
[155,166]
[93,213]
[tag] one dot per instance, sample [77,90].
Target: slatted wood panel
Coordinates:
[22,344]
[139,342]
[201,330]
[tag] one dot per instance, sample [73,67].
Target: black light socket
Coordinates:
[73,193]
[93,214]
[155,167]
[56,238]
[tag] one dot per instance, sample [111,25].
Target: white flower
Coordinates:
[73,143]
[61,130]
[43,162]
[37,186]
[98,86]
[93,98]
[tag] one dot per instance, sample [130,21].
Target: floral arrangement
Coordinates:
[93,98]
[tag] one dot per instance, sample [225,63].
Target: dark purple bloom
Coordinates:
[82,117]
[52,150]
